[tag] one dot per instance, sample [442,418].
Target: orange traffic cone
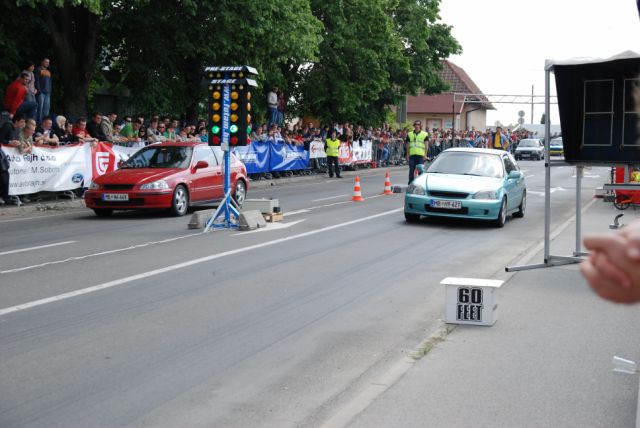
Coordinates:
[357,194]
[387,185]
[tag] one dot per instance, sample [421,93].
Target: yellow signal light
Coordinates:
[248,106]
[234,95]
[248,96]
[234,118]
[216,106]
[216,95]
[234,106]
[216,118]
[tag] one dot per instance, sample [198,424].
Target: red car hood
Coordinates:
[136,175]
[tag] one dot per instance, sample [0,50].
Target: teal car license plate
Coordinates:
[451,205]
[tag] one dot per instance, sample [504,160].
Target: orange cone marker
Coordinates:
[357,193]
[387,185]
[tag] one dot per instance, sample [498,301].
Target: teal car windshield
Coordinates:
[468,163]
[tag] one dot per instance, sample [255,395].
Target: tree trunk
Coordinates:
[193,72]
[74,34]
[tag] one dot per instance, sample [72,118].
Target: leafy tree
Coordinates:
[161,55]
[543,119]
[336,59]
[72,29]
[371,54]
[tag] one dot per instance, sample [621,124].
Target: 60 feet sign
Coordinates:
[469,304]
[471,300]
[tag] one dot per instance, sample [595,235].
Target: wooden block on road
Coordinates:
[272,217]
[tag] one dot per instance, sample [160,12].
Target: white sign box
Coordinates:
[471,300]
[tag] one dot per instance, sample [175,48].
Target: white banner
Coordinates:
[46,169]
[316,150]
[56,169]
[361,151]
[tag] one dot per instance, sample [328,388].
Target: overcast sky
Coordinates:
[506,42]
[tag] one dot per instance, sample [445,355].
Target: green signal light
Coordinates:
[215,129]
[233,128]
[249,129]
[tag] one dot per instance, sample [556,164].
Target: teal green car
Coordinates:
[482,184]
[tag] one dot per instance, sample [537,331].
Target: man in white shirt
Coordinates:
[272,101]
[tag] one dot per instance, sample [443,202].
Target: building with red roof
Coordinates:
[463,104]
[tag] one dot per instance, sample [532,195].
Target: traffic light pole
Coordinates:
[226,206]
[229,125]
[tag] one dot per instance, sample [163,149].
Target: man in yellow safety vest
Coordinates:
[417,141]
[332,149]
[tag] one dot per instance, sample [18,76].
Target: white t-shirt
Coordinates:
[272,99]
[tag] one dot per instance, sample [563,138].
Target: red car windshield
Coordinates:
[161,157]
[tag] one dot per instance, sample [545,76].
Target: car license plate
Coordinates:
[115,197]
[525,155]
[452,205]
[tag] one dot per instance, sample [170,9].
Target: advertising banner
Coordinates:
[288,157]
[316,150]
[344,155]
[104,157]
[361,151]
[46,169]
[255,156]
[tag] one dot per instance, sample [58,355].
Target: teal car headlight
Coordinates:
[156,185]
[415,189]
[486,194]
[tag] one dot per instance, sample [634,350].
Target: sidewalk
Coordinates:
[545,363]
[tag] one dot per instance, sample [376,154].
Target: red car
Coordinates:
[170,175]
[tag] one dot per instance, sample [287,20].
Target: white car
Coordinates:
[530,148]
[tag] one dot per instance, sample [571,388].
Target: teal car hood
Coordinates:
[460,183]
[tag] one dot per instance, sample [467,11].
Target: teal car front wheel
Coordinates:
[411,218]
[502,215]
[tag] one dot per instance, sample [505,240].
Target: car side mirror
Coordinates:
[121,164]
[515,174]
[420,168]
[200,165]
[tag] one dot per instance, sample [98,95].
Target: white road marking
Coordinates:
[586,176]
[288,214]
[529,176]
[86,256]
[332,197]
[271,226]
[22,250]
[553,190]
[177,266]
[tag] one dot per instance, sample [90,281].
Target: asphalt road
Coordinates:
[135,320]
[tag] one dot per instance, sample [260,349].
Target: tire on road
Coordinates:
[179,201]
[502,215]
[522,207]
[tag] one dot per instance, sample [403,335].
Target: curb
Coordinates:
[62,205]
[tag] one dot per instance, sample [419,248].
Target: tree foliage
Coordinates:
[337,60]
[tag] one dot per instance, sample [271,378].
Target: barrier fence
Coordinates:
[70,167]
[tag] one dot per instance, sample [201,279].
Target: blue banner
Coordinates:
[255,156]
[287,157]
